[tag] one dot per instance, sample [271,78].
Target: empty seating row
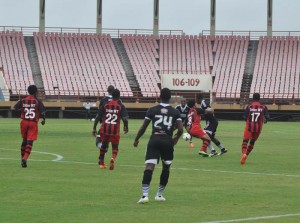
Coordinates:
[143,55]
[14,60]
[277,67]
[79,64]
[229,65]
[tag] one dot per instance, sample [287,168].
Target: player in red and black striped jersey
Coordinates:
[255,115]
[194,126]
[111,114]
[103,101]
[31,109]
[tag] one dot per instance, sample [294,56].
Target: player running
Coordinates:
[104,100]
[194,126]
[255,115]
[111,114]
[31,108]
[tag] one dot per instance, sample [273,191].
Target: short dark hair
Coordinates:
[32,89]
[165,94]
[115,94]
[256,96]
[110,89]
[199,96]
[191,103]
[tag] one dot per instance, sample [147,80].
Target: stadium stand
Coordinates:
[4,90]
[229,65]
[73,64]
[185,54]
[143,55]
[84,64]
[14,62]
[276,71]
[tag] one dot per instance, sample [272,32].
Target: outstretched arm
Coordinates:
[18,105]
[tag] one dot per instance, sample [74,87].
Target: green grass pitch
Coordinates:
[216,189]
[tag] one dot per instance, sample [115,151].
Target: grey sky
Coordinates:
[192,16]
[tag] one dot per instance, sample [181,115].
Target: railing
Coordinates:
[234,98]
[254,35]
[115,33]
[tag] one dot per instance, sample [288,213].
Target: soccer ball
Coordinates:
[186,136]
[93,120]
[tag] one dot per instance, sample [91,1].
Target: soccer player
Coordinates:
[87,105]
[255,115]
[161,143]
[184,110]
[104,100]
[211,126]
[111,114]
[31,108]
[194,126]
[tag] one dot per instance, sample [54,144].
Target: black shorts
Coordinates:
[211,129]
[159,147]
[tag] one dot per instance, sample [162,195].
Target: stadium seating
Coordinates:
[14,60]
[143,55]
[79,64]
[185,54]
[276,71]
[229,65]
[85,64]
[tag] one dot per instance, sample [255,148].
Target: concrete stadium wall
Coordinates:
[137,110]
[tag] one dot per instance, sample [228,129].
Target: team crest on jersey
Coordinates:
[164,111]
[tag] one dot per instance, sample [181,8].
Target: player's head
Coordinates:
[110,89]
[165,95]
[199,98]
[183,102]
[191,103]
[256,96]
[115,94]
[32,89]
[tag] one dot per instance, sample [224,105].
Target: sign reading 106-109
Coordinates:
[185,82]
[188,82]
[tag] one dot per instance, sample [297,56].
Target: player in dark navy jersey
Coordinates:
[255,115]
[31,109]
[184,111]
[111,114]
[211,126]
[161,143]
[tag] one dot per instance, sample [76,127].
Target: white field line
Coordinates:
[59,160]
[254,218]
[58,157]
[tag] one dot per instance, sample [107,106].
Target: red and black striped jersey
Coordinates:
[255,115]
[194,116]
[31,108]
[111,114]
